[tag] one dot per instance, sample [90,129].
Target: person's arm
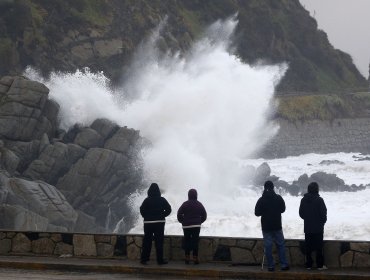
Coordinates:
[167,208]
[282,205]
[301,210]
[180,214]
[258,208]
[323,211]
[143,209]
[204,214]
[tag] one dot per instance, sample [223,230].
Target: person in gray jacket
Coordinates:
[314,213]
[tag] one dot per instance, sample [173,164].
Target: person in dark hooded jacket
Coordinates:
[154,209]
[191,215]
[269,207]
[313,211]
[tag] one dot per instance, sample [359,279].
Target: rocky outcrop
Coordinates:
[55,180]
[327,182]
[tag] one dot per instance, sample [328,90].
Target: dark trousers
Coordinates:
[314,242]
[153,231]
[191,240]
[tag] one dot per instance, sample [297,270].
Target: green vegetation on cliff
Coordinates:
[103,34]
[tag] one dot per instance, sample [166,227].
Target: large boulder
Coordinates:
[24,104]
[54,161]
[34,199]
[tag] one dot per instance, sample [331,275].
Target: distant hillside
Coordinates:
[102,34]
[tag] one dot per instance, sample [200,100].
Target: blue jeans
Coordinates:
[277,236]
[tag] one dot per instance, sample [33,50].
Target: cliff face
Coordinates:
[69,34]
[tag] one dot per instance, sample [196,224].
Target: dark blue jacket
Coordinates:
[269,207]
[155,207]
[191,212]
[313,211]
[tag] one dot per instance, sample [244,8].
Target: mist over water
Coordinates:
[204,112]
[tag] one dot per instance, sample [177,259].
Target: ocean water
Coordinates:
[204,113]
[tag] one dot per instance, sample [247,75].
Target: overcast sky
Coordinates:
[347,23]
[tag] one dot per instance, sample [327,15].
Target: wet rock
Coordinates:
[262,173]
[89,138]
[330,162]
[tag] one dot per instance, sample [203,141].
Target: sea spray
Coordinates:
[202,111]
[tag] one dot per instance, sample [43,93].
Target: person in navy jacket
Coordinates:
[154,210]
[314,213]
[191,215]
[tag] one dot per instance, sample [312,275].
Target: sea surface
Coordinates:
[233,214]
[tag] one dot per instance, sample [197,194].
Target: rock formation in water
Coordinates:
[54,180]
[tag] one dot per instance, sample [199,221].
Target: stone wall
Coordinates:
[344,254]
[339,135]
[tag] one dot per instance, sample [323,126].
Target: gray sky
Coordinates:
[347,23]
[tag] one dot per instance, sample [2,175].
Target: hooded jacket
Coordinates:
[269,207]
[313,211]
[155,207]
[192,213]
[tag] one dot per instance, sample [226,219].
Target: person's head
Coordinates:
[268,186]
[192,194]
[154,190]
[313,188]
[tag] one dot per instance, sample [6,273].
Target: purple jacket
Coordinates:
[192,212]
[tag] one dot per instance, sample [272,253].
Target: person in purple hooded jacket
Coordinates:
[191,215]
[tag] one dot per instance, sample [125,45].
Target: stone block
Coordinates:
[332,252]
[206,249]
[113,240]
[84,245]
[228,242]
[43,246]
[296,257]
[241,255]
[5,246]
[2,235]
[292,243]
[104,250]
[176,241]
[56,237]
[10,234]
[363,247]
[222,253]
[167,248]
[102,238]
[258,251]
[247,244]
[361,260]
[133,251]
[21,244]
[63,249]
[346,260]
[177,254]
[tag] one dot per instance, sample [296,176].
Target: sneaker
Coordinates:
[308,267]
[285,268]
[271,269]
[324,267]
[144,262]
[162,262]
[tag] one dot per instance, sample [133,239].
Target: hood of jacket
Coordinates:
[154,190]
[310,197]
[268,194]
[192,194]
